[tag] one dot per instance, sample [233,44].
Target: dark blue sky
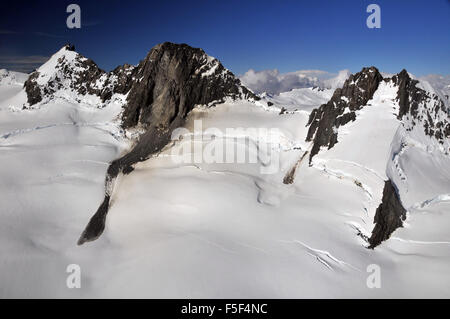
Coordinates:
[287,35]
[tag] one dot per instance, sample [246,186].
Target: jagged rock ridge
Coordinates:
[324,121]
[418,106]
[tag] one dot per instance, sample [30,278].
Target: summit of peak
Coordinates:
[69,47]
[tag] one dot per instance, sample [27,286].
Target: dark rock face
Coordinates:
[33,91]
[172,79]
[389,215]
[323,122]
[97,222]
[420,106]
[169,82]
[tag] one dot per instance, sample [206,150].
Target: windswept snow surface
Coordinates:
[198,230]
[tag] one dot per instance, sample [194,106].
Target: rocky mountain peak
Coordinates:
[66,71]
[172,79]
[359,88]
[324,121]
[389,215]
[423,109]
[69,47]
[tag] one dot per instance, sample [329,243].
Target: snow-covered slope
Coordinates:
[11,83]
[207,229]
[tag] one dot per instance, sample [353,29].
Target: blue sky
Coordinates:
[284,35]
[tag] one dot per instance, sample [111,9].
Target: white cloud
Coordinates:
[274,82]
[7,32]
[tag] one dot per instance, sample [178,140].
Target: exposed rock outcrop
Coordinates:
[419,107]
[389,215]
[170,81]
[324,121]
[32,89]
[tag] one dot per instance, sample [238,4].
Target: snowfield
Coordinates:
[197,230]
